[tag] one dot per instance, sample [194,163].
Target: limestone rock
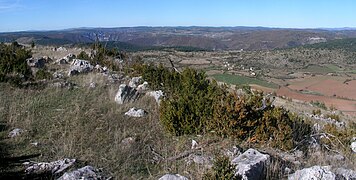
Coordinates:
[135,81]
[15,132]
[315,172]
[126,94]
[133,112]
[173,177]
[251,164]
[156,94]
[79,66]
[345,174]
[87,172]
[36,62]
[353,145]
[66,59]
[54,167]
[142,87]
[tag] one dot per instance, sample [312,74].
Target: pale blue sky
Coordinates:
[18,15]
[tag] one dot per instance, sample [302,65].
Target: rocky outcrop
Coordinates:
[251,164]
[87,172]
[315,172]
[133,112]
[66,59]
[173,177]
[135,81]
[36,62]
[126,94]
[156,94]
[79,66]
[54,167]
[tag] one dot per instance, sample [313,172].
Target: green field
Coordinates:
[242,80]
[321,69]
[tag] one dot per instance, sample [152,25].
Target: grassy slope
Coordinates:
[82,123]
[240,80]
[86,124]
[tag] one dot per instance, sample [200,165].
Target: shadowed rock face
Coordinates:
[250,165]
[125,94]
[36,62]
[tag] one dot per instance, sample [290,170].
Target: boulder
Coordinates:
[15,132]
[133,112]
[36,62]
[142,87]
[87,172]
[315,172]
[126,94]
[251,164]
[135,81]
[54,167]
[79,66]
[353,145]
[345,174]
[173,177]
[156,94]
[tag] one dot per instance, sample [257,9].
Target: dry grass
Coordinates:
[86,124]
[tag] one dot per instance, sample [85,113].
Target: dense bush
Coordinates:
[13,66]
[43,74]
[83,55]
[195,105]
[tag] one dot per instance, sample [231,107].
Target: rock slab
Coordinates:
[251,164]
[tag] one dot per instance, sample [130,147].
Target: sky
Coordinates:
[23,15]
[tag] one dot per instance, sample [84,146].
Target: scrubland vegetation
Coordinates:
[85,123]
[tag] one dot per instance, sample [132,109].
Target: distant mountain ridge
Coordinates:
[209,38]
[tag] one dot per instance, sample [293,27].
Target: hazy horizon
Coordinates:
[98,27]
[37,15]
